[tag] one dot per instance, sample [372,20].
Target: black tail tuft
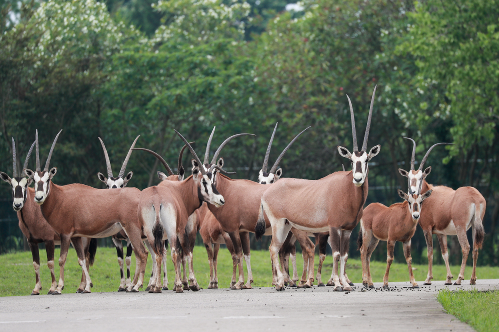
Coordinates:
[359,239]
[323,243]
[92,250]
[260,225]
[157,232]
[479,235]
[166,244]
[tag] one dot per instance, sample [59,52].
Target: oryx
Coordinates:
[448,212]
[76,210]
[334,203]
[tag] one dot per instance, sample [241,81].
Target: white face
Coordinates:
[359,160]
[18,186]
[415,179]
[270,177]
[42,183]
[114,183]
[415,203]
[206,185]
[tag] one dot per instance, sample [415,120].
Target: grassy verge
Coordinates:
[17,275]
[478,309]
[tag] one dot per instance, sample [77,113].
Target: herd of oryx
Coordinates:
[224,211]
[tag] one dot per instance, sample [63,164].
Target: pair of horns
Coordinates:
[354,133]
[207,153]
[276,164]
[125,162]
[165,164]
[47,163]
[14,158]
[413,157]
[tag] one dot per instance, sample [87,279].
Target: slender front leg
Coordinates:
[372,245]
[408,259]
[442,241]
[344,245]
[119,253]
[36,264]
[429,244]
[153,258]
[80,252]
[280,230]
[363,256]
[335,243]
[50,248]
[65,240]
[209,251]
[390,246]
[128,261]
[165,273]
[134,235]
[465,248]
[245,242]
[321,242]
[235,260]
[216,248]
[236,242]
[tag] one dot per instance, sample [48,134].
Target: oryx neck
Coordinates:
[54,196]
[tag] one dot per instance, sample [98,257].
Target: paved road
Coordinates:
[262,309]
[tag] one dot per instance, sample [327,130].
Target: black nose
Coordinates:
[222,201]
[38,199]
[357,180]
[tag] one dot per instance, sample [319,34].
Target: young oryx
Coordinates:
[391,224]
[77,210]
[448,212]
[112,182]
[334,203]
[34,226]
[164,211]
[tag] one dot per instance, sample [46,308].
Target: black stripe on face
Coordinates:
[18,192]
[358,167]
[415,207]
[215,191]
[39,186]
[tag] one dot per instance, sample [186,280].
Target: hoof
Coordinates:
[165,288]
[280,288]
[179,290]
[447,283]
[321,285]
[86,292]
[415,286]
[194,288]
[91,284]
[49,293]
[427,283]
[351,284]
[133,290]
[292,284]
[36,293]
[246,286]
[121,289]
[56,292]
[185,287]
[347,288]
[457,284]
[148,288]
[338,289]
[385,287]
[472,282]
[330,283]
[79,291]
[370,286]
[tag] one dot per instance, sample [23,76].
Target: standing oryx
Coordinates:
[397,222]
[448,212]
[77,210]
[334,203]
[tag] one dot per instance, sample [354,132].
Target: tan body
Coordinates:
[453,212]
[240,215]
[390,224]
[77,210]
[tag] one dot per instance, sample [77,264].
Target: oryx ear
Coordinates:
[127,178]
[162,176]
[426,195]
[426,172]
[374,152]
[277,174]
[220,162]
[344,152]
[52,172]
[5,177]
[195,168]
[30,181]
[102,177]
[194,163]
[29,173]
[402,194]
[403,172]
[181,173]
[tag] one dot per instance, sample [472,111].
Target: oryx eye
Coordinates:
[121,186]
[271,181]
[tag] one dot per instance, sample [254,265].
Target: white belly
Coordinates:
[449,230]
[115,228]
[308,229]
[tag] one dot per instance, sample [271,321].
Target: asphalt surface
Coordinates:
[265,309]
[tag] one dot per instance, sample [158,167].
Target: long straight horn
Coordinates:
[47,164]
[366,135]
[201,168]
[276,164]
[215,156]
[108,163]
[168,169]
[413,158]
[266,160]
[428,153]
[14,158]
[207,152]
[181,154]
[123,167]
[354,132]
[38,167]
[29,154]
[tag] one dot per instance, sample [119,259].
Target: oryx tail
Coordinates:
[260,224]
[157,231]
[477,227]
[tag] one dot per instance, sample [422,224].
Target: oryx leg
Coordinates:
[390,246]
[128,262]
[153,258]
[366,241]
[429,244]
[35,253]
[344,245]
[134,235]
[236,242]
[165,273]
[284,253]
[50,248]
[235,260]
[370,249]
[119,252]
[408,259]
[209,251]
[245,242]
[321,242]
[465,248]
[216,248]
[185,282]
[442,241]
[308,250]
[280,230]
[80,252]
[65,240]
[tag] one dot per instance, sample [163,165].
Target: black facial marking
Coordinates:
[415,207]
[358,153]
[358,167]
[263,182]
[40,186]
[18,192]
[209,175]
[265,174]
[215,191]
[114,186]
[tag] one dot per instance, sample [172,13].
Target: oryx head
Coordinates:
[42,178]
[415,201]
[275,173]
[415,177]
[18,182]
[119,181]
[359,159]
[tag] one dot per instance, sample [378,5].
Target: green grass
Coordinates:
[478,309]
[17,275]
